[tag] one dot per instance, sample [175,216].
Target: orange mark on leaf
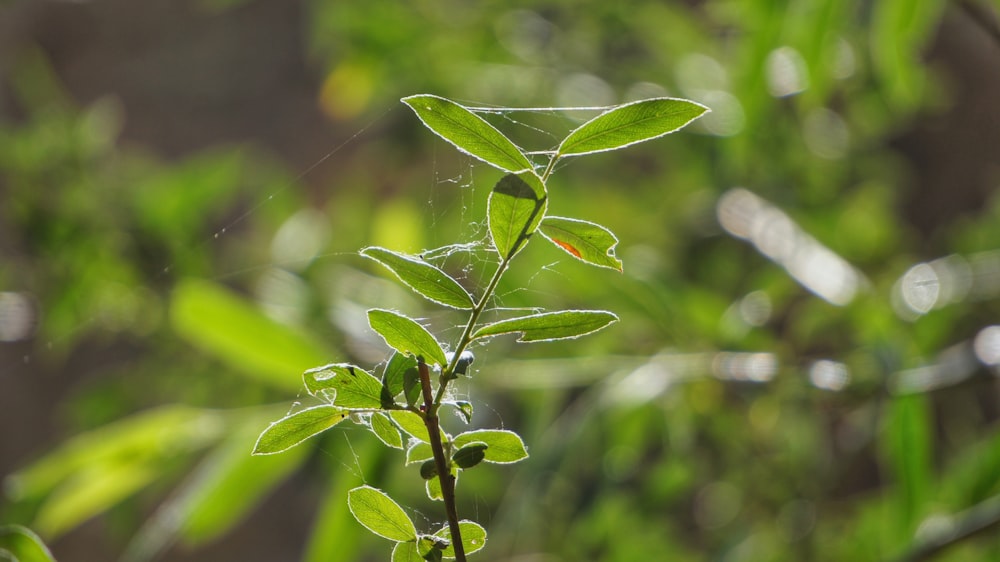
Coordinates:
[568,247]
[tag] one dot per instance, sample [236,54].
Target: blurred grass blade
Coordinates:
[380,514]
[23,544]
[468,132]
[230,328]
[422,277]
[516,206]
[165,432]
[93,491]
[473,537]
[503,447]
[548,326]
[586,241]
[295,428]
[334,536]
[405,335]
[907,445]
[346,385]
[630,123]
[218,494]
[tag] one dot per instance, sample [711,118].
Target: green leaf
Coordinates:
[419,452]
[470,455]
[548,326]
[433,486]
[405,335]
[411,423]
[463,409]
[629,124]
[504,446]
[516,206]
[293,429]
[385,431]
[468,132]
[227,326]
[393,376]
[406,552]
[422,277]
[380,515]
[345,385]
[585,241]
[473,537]
[23,544]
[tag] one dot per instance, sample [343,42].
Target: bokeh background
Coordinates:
[806,366]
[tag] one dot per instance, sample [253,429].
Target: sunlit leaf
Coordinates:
[395,372]
[503,447]
[422,277]
[547,326]
[585,241]
[516,207]
[23,544]
[413,425]
[468,132]
[405,335]
[380,514]
[473,537]
[295,428]
[419,452]
[433,486]
[406,552]
[223,324]
[348,386]
[385,431]
[629,124]
[463,409]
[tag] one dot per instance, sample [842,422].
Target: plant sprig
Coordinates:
[405,401]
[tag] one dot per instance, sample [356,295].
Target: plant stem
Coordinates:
[433,404]
[445,477]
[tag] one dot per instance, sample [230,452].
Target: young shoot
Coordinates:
[406,398]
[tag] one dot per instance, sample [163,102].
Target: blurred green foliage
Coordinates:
[733,414]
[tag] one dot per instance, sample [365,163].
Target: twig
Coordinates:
[444,471]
